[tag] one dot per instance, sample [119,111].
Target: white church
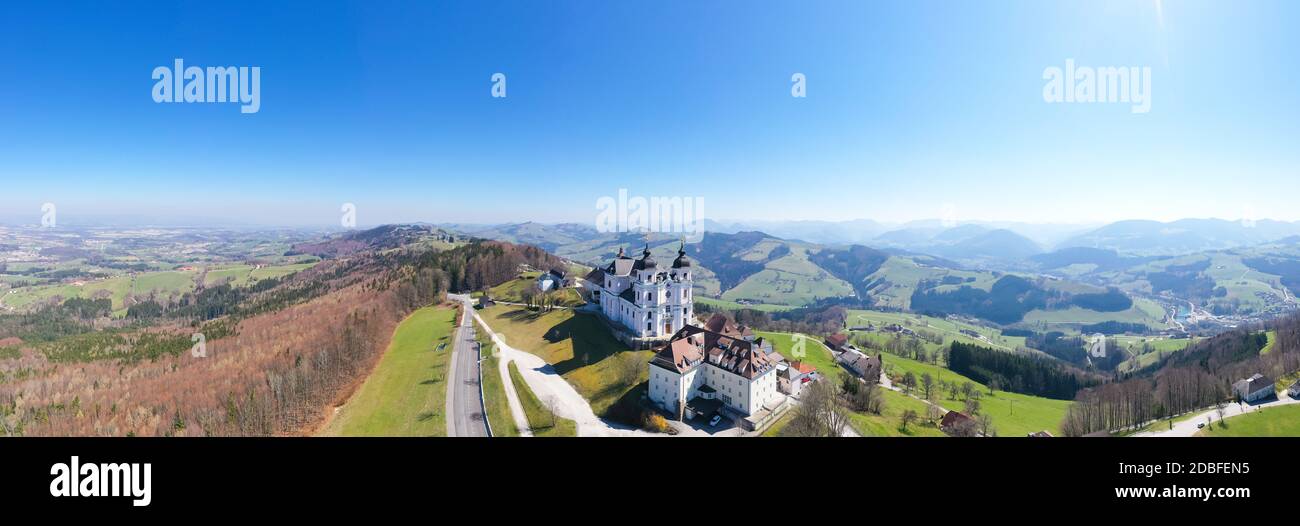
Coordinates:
[649,301]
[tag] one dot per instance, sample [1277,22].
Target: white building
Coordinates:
[1253,389]
[649,301]
[704,369]
[550,280]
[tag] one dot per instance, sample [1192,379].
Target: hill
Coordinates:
[1141,237]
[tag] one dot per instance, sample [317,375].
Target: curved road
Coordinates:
[464,396]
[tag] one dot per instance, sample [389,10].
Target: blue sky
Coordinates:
[912,108]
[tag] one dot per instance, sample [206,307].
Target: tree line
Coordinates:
[1015,372]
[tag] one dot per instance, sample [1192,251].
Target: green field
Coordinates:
[406,394]
[1282,421]
[542,420]
[1143,311]
[789,280]
[514,289]
[245,275]
[581,349]
[815,352]
[949,329]
[731,305]
[1159,348]
[163,285]
[1014,414]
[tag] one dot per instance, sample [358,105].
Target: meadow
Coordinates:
[1013,414]
[1282,421]
[406,394]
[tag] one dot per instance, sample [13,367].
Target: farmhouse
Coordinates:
[836,341]
[957,423]
[1255,388]
[647,303]
[702,369]
[861,364]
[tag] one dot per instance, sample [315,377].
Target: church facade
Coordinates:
[648,300]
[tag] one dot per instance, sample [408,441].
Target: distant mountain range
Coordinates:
[981,241]
[1182,236]
[1220,266]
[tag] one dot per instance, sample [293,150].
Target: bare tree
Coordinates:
[933,413]
[927,385]
[986,425]
[819,413]
[908,417]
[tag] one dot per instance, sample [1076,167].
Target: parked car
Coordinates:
[715,420]
[1200,425]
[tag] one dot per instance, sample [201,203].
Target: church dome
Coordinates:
[647,262]
[682,261]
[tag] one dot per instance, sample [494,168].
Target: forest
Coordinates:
[1015,372]
[1194,379]
[278,355]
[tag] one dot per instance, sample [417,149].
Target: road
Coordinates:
[1188,427]
[554,390]
[464,396]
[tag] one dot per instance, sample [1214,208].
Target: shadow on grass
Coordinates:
[628,408]
[523,315]
[426,416]
[591,342]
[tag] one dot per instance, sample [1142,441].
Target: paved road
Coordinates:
[464,397]
[1188,427]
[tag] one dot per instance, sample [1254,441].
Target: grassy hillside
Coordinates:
[949,329]
[815,352]
[1148,350]
[789,280]
[1013,414]
[406,394]
[889,422]
[244,275]
[164,285]
[514,290]
[1143,311]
